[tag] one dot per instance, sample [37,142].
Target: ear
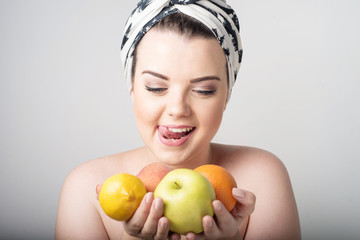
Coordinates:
[132,94]
[226,102]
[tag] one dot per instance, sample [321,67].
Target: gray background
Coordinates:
[63,101]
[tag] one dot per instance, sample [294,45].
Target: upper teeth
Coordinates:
[179,130]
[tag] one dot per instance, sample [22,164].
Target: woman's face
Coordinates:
[179,95]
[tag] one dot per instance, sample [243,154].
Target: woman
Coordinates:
[181,59]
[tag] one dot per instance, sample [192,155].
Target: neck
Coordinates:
[184,160]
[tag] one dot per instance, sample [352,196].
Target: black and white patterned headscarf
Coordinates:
[219,17]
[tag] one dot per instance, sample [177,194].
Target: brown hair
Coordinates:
[182,24]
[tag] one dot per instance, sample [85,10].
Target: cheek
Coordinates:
[146,112]
[211,117]
[140,108]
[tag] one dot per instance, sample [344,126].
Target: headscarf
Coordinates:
[219,17]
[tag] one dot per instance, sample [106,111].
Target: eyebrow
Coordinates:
[155,74]
[195,80]
[206,78]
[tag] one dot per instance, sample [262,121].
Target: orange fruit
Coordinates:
[222,181]
[121,195]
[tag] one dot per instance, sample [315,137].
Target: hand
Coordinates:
[147,222]
[227,224]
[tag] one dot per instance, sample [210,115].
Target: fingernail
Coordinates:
[218,205]
[191,236]
[164,224]
[98,188]
[158,204]
[149,198]
[175,237]
[237,192]
[209,223]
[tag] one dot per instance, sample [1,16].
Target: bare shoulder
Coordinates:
[92,172]
[96,171]
[264,174]
[246,160]
[254,169]
[78,199]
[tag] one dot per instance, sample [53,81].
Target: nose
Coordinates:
[178,105]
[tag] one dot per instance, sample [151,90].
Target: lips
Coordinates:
[174,135]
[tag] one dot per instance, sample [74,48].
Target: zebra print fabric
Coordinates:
[219,17]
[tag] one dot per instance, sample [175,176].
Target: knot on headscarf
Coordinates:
[219,17]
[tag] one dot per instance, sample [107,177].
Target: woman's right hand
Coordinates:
[148,222]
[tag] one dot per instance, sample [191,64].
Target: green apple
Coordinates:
[187,197]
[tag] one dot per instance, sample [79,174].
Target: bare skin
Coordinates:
[255,169]
[194,96]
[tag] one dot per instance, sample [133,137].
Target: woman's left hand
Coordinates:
[227,223]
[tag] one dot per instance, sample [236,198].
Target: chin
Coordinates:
[186,157]
[172,158]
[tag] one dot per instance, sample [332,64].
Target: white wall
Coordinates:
[63,101]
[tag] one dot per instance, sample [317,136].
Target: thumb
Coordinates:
[245,203]
[98,188]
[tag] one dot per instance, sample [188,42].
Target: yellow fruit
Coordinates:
[121,195]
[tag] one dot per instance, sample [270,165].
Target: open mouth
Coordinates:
[173,133]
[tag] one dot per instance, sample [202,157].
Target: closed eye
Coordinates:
[205,92]
[155,90]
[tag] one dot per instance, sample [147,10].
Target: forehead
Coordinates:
[168,47]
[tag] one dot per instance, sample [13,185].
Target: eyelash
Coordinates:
[155,90]
[161,90]
[208,92]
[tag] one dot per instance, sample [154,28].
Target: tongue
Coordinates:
[171,135]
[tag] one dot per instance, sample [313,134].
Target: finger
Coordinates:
[97,189]
[175,236]
[193,236]
[245,203]
[137,221]
[226,223]
[151,224]
[211,231]
[162,229]
[224,219]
